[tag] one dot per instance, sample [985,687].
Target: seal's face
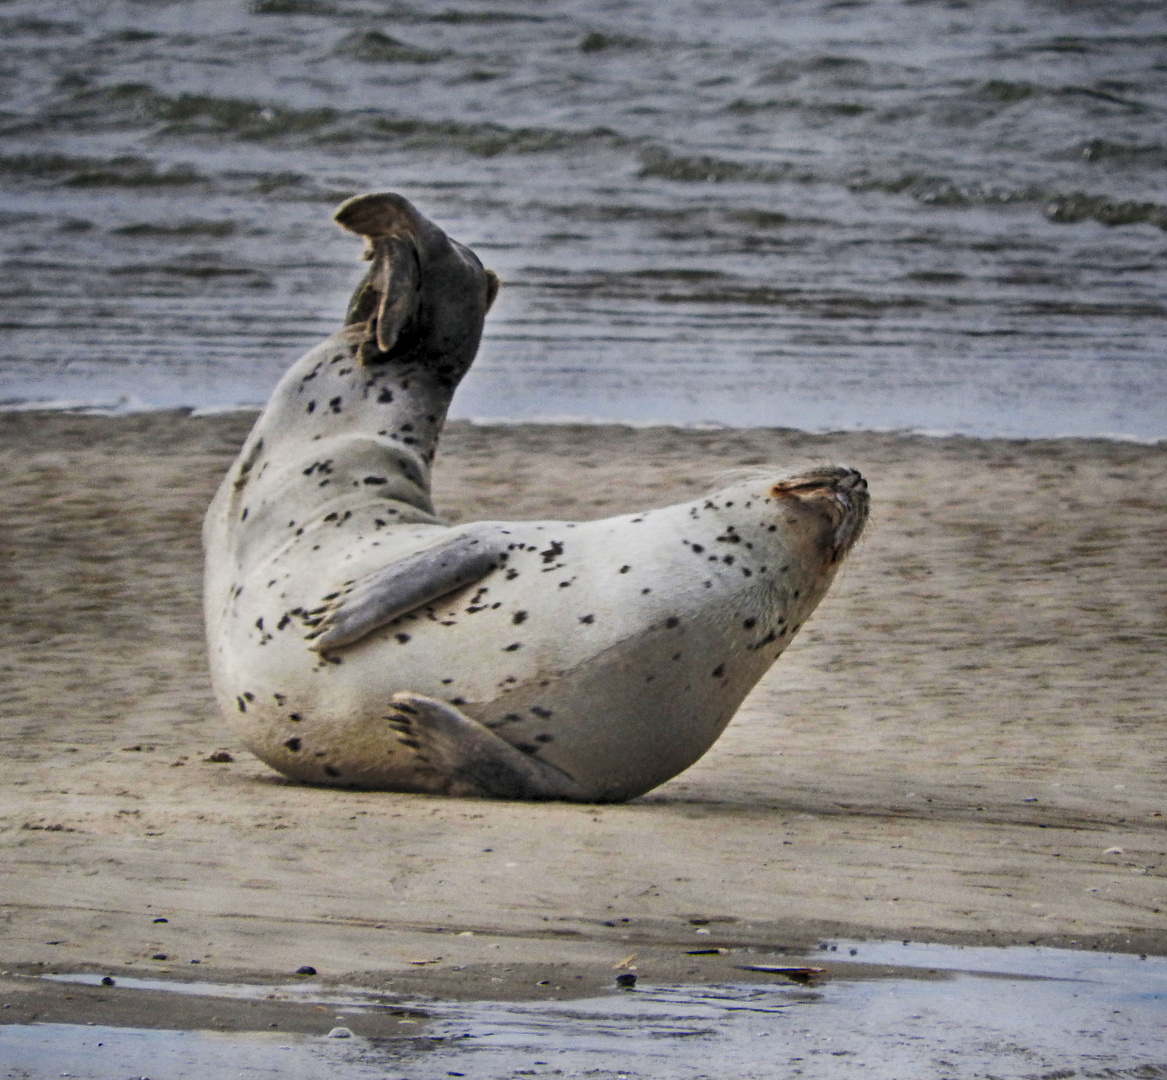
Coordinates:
[425,296]
[825,511]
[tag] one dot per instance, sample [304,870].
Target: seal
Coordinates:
[356,640]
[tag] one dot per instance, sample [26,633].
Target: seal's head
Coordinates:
[825,511]
[425,296]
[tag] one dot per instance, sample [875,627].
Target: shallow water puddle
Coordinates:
[944,1012]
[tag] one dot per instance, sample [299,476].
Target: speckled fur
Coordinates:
[614,651]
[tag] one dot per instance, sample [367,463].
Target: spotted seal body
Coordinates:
[356,640]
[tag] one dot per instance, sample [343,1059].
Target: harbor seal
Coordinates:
[357,640]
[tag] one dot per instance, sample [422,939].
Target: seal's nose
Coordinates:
[851,489]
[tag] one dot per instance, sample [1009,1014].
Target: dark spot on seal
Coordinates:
[241,703]
[698,548]
[511,574]
[385,396]
[645,591]
[553,552]
[672,621]
[625,569]
[375,480]
[514,646]
[719,671]
[587,618]
[457,701]
[544,737]
[749,624]
[295,717]
[294,743]
[259,623]
[311,407]
[403,638]
[332,770]
[519,617]
[334,405]
[728,560]
[542,712]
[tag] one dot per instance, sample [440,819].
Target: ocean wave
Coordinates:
[218,230]
[1064,208]
[293,7]
[595,42]
[31,26]
[187,115]
[1106,150]
[80,172]
[486,139]
[1105,210]
[374,47]
[656,161]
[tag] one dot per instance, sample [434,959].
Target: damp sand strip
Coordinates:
[893,1010]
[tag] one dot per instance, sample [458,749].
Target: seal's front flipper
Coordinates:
[464,750]
[369,602]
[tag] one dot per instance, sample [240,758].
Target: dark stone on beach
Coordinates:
[306,969]
[626,982]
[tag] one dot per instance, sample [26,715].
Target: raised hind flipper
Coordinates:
[368,602]
[464,750]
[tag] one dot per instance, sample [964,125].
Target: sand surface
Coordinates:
[966,742]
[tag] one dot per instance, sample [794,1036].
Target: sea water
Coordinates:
[939,215]
[933,1011]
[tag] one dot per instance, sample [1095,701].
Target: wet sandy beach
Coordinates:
[965,744]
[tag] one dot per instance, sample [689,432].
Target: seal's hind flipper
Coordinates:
[468,753]
[378,598]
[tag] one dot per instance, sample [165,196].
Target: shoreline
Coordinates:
[965,744]
[199,412]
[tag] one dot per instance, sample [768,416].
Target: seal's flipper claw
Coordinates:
[380,597]
[471,754]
